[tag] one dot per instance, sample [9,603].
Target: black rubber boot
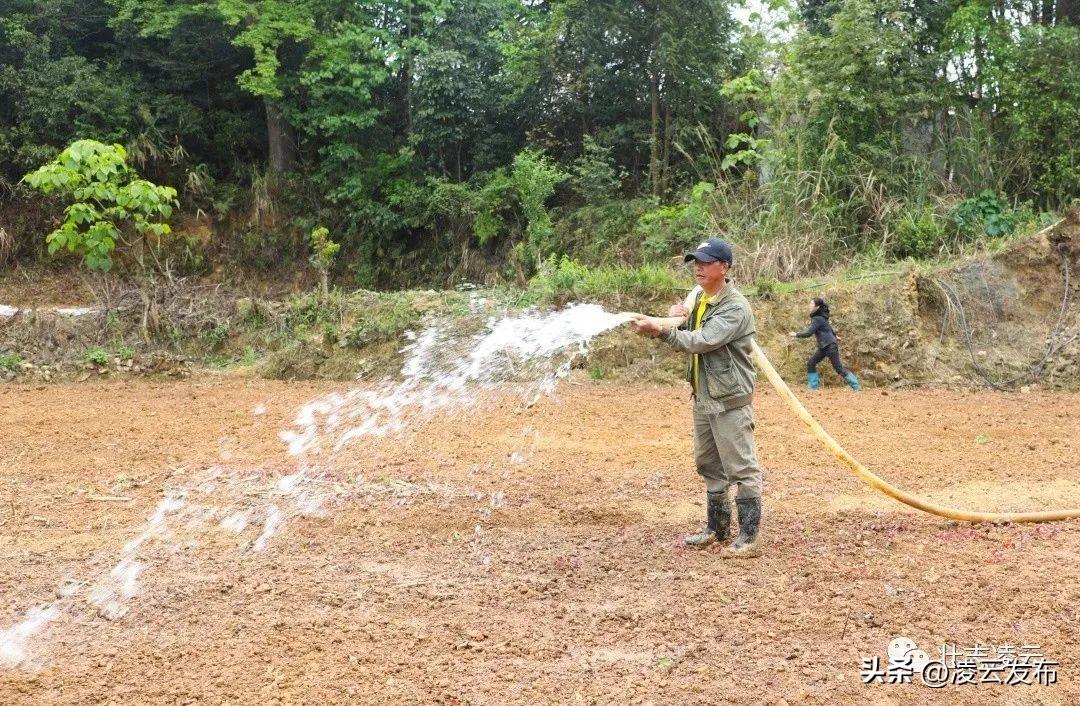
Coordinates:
[718,515]
[747,544]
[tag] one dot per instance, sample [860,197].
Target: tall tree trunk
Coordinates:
[1068,11]
[407,72]
[947,134]
[406,80]
[666,168]
[654,139]
[282,146]
[977,59]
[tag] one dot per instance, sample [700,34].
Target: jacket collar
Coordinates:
[721,295]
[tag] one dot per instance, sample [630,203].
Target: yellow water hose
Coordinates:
[885,487]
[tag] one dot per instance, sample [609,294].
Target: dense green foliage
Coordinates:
[448,139]
[107,199]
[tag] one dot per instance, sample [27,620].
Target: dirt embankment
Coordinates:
[985,322]
[982,322]
[1006,320]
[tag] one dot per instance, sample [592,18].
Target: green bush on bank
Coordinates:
[10,360]
[926,232]
[565,278]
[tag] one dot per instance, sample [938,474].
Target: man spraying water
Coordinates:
[716,326]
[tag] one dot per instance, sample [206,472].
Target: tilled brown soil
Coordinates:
[498,555]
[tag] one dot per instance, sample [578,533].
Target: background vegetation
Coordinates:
[504,140]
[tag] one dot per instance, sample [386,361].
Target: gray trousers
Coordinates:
[725,453]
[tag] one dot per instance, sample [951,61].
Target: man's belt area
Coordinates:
[736,401]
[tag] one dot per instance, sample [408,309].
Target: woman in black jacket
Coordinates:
[827,347]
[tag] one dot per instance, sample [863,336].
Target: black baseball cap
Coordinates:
[714,250]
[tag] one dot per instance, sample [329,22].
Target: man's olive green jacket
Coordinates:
[726,373]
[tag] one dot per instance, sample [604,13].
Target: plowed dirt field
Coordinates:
[500,555]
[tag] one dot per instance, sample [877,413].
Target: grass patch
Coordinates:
[95,355]
[364,317]
[567,279]
[358,319]
[103,356]
[10,360]
[384,317]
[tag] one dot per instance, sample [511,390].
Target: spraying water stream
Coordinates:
[443,370]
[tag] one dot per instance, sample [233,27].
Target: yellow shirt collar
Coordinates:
[719,296]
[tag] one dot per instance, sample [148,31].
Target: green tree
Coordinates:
[857,83]
[1040,91]
[534,178]
[109,201]
[634,74]
[323,253]
[436,132]
[272,30]
[459,119]
[1014,85]
[595,175]
[49,92]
